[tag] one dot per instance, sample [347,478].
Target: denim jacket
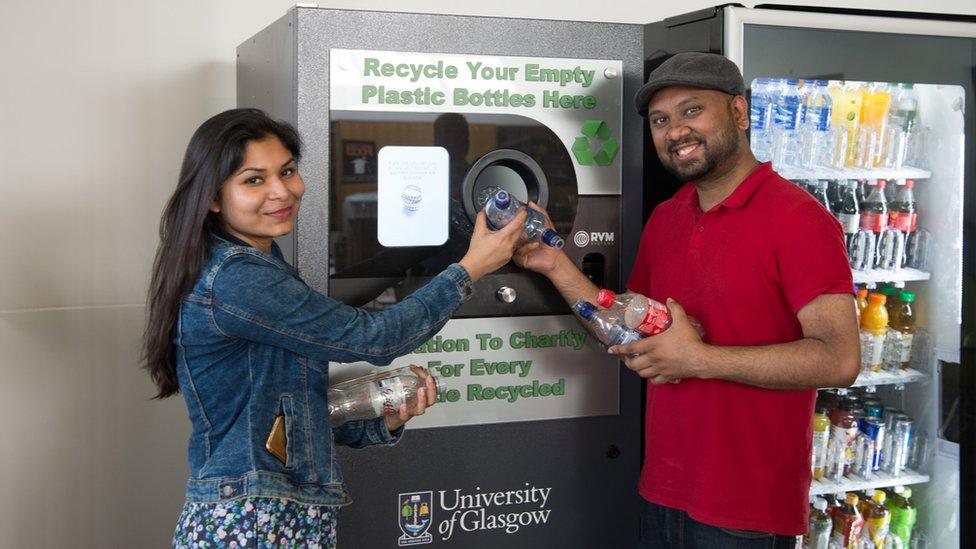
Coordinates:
[254,342]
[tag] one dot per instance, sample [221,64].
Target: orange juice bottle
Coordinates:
[875,102]
[874,326]
[862,302]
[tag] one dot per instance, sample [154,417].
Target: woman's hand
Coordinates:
[425,397]
[490,250]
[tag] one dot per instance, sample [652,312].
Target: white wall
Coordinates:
[97,102]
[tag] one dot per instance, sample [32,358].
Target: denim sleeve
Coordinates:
[366,432]
[256,300]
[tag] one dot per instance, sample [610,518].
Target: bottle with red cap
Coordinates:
[902,213]
[874,209]
[641,313]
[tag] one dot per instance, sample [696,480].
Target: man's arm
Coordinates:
[828,355]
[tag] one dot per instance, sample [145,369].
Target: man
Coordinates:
[763,266]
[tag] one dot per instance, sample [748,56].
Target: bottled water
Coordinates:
[375,395]
[815,147]
[606,324]
[760,108]
[786,118]
[502,208]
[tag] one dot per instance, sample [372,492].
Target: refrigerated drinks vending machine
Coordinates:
[409,123]
[872,112]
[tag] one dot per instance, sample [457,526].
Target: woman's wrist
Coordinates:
[473,272]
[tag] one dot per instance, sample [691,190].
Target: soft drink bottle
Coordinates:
[902,212]
[901,333]
[786,118]
[821,435]
[874,327]
[903,514]
[760,107]
[847,210]
[820,193]
[877,519]
[502,208]
[843,434]
[847,523]
[375,395]
[874,209]
[641,313]
[608,327]
[819,526]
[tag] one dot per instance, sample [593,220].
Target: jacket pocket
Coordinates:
[287,409]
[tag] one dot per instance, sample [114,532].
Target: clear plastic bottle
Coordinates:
[502,208]
[641,313]
[874,327]
[901,333]
[902,212]
[607,326]
[904,107]
[877,519]
[819,526]
[821,435]
[847,211]
[786,119]
[375,395]
[760,107]
[903,514]
[815,125]
[874,209]
[847,523]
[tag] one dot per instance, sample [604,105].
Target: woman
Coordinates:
[248,343]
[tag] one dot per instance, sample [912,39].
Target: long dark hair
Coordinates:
[215,152]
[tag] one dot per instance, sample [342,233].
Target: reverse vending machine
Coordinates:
[409,123]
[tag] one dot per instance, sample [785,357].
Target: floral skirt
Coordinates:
[256,522]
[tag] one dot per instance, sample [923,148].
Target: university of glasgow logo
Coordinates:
[416,514]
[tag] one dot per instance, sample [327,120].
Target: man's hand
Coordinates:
[667,357]
[535,256]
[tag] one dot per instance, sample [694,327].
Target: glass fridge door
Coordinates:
[874,116]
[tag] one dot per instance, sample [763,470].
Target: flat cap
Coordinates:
[693,69]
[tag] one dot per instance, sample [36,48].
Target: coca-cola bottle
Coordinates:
[819,191]
[902,213]
[847,210]
[874,209]
[641,313]
[375,395]
[606,324]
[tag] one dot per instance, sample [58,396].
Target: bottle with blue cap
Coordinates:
[502,207]
[606,323]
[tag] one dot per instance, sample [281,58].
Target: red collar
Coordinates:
[688,195]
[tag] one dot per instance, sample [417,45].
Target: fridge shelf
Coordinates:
[907,172]
[902,275]
[888,377]
[853,482]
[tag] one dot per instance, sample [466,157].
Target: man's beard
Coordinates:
[721,148]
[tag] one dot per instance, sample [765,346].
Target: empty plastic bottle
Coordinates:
[375,395]
[502,208]
[606,324]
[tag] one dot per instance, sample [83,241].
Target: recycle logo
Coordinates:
[595,131]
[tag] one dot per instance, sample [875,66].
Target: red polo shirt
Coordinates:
[732,455]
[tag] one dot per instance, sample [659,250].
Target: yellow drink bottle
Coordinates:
[874,326]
